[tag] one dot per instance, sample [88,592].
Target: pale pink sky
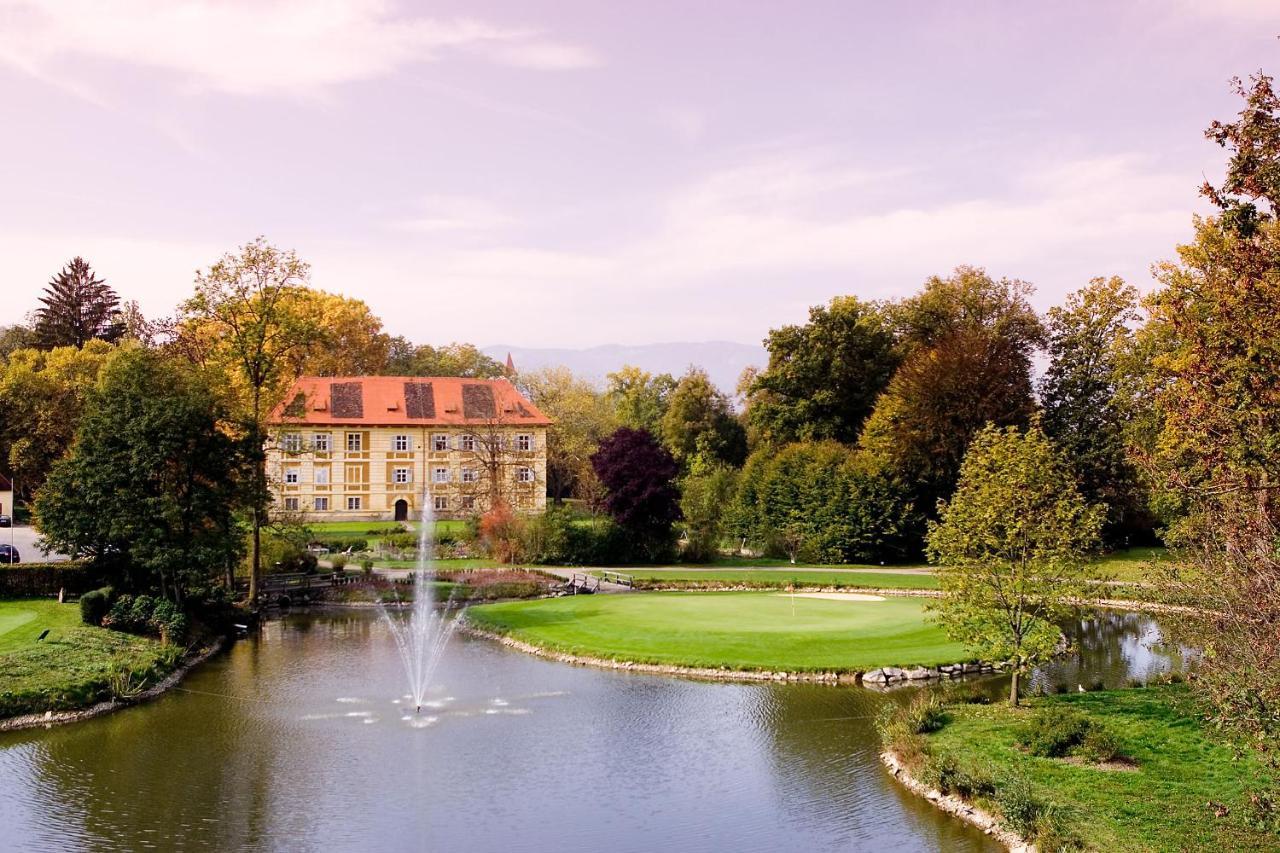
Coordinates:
[579,173]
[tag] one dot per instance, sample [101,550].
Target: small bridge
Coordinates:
[586,583]
[286,589]
[581,583]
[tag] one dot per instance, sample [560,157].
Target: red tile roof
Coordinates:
[406,401]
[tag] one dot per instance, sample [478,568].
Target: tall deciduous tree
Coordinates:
[1088,336]
[42,394]
[77,307]
[455,359]
[640,398]
[583,417]
[969,340]
[248,317]
[1011,546]
[638,475]
[823,377]
[700,421]
[149,488]
[1253,170]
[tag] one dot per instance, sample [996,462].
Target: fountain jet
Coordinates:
[422,637]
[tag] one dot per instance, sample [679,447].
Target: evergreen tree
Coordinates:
[78,307]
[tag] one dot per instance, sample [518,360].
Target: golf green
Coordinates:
[738,630]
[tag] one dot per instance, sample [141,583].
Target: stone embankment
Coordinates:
[953,805]
[878,678]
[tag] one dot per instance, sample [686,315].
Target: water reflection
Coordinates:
[295,741]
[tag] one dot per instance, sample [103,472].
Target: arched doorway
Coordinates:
[402,510]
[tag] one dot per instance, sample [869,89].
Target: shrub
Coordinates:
[948,775]
[926,713]
[1021,808]
[168,620]
[1100,744]
[94,605]
[1051,834]
[1053,731]
[897,737]
[367,566]
[339,563]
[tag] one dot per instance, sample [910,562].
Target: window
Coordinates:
[524,475]
[439,475]
[321,442]
[468,502]
[355,442]
[291,504]
[439,442]
[292,442]
[400,443]
[467,443]
[292,475]
[441,502]
[322,504]
[469,475]
[357,473]
[524,441]
[322,475]
[402,475]
[353,503]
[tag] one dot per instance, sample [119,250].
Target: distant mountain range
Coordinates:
[723,360]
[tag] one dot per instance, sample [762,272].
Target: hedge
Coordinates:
[27,580]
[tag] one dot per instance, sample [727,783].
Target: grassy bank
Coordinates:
[75,665]
[766,631]
[769,578]
[1171,786]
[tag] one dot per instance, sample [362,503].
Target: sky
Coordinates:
[582,173]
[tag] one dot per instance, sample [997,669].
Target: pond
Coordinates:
[294,741]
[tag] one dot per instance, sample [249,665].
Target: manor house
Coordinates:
[376,447]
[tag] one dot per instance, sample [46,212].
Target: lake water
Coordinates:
[293,741]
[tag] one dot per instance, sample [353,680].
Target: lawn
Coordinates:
[737,630]
[75,665]
[1181,767]
[780,578]
[1133,564]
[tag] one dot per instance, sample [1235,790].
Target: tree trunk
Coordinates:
[256,568]
[1013,688]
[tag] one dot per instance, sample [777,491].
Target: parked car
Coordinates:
[9,554]
[6,521]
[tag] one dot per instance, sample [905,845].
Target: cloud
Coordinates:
[261,48]
[453,213]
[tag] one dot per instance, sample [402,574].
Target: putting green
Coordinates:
[738,630]
[11,620]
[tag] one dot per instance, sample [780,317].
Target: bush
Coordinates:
[1053,731]
[946,774]
[367,566]
[94,605]
[1051,835]
[926,713]
[1021,808]
[1100,745]
[169,622]
[339,563]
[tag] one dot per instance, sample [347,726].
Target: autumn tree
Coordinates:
[348,339]
[148,490]
[1088,337]
[248,319]
[1011,548]
[77,307]
[968,342]
[640,398]
[16,337]
[823,377]
[455,359]
[1250,192]
[582,417]
[638,475]
[699,420]
[42,393]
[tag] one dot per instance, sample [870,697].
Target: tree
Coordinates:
[583,417]
[1011,546]
[640,398]
[969,341]
[349,340]
[705,495]
[78,307]
[149,488]
[453,359]
[638,475]
[823,377]
[1253,170]
[42,393]
[16,337]
[700,421]
[248,319]
[821,501]
[1087,338]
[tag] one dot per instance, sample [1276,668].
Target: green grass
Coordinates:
[779,578]
[440,565]
[752,630]
[75,665]
[1161,806]
[324,528]
[1134,564]
[734,562]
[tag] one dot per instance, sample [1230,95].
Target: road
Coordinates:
[24,539]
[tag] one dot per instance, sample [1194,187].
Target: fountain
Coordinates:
[421,639]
